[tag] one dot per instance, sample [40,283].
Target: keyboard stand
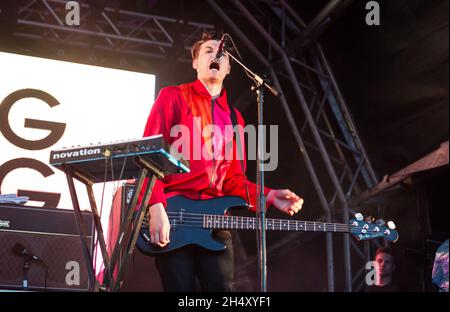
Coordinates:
[131,225]
[129,229]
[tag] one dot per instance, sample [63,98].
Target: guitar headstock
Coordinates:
[367,229]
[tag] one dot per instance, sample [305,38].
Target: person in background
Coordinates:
[385,281]
[440,268]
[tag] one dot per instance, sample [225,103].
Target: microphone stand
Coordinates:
[259,88]
[26,268]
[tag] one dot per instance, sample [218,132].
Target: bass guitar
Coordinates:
[192,223]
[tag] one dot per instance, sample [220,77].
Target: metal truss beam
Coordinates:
[328,128]
[110,29]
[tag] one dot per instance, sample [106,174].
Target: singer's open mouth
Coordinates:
[214,65]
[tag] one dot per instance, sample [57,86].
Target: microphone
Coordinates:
[20,250]
[220,51]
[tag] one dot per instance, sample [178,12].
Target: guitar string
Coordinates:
[188,214]
[284,223]
[199,224]
[236,219]
[269,222]
[289,223]
[298,230]
[201,216]
[324,229]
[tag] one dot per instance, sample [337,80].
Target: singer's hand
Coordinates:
[159,226]
[285,200]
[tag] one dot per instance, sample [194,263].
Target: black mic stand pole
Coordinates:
[26,268]
[261,200]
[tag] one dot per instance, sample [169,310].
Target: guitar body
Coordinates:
[184,230]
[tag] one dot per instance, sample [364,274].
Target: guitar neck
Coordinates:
[252,223]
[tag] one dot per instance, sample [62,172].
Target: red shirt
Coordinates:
[213,173]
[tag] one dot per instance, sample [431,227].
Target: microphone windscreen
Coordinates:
[18,249]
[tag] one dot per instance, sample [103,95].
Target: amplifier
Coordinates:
[50,235]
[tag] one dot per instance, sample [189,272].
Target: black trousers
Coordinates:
[181,269]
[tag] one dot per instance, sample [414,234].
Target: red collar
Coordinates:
[200,89]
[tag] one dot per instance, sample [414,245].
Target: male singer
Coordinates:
[194,106]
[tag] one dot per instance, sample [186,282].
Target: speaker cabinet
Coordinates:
[50,235]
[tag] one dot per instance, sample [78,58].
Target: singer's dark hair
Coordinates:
[206,36]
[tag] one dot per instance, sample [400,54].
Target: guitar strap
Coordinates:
[237,138]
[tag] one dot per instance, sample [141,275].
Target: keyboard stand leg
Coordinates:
[101,237]
[125,226]
[81,227]
[71,173]
[148,170]
[135,226]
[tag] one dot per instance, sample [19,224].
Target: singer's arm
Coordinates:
[164,114]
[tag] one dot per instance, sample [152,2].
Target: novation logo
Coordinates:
[77,153]
[4,224]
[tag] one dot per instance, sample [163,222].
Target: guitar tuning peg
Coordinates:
[380,222]
[391,225]
[370,219]
[359,216]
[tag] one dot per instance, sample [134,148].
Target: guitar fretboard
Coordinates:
[251,223]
